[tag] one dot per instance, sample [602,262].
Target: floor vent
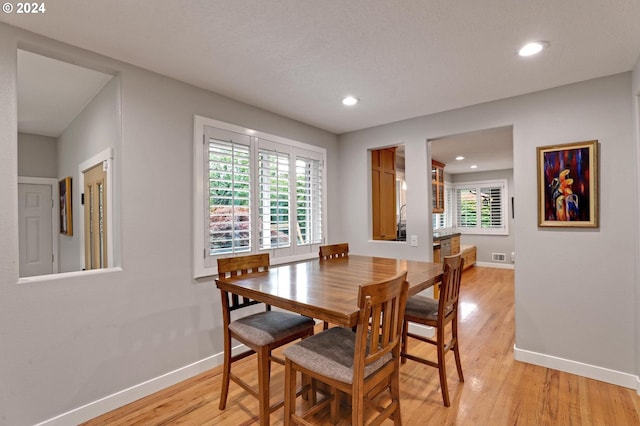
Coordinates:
[498,257]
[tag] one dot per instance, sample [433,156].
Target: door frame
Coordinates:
[106,158]
[55,228]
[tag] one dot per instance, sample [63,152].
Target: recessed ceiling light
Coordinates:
[474,166]
[533,48]
[459,157]
[350,100]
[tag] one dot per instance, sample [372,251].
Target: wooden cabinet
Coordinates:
[436,254]
[383,196]
[455,244]
[437,186]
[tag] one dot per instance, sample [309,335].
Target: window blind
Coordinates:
[309,187]
[229,197]
[274,193]
[481,207]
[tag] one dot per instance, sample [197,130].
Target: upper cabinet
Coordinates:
[383,187]
[437,186]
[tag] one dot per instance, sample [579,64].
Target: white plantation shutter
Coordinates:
[229,197]
[309,196]
[491,210]
[467,207]
[445,220]
[274,199]
[481,207]
[255,193]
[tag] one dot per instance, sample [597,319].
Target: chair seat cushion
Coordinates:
[267,327]
[422,308]
[330,353]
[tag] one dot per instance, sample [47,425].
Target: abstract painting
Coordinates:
[568,185]
[66,221]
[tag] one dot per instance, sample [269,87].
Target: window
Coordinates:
[481,207]
[309,200]
[255,192]
[273,195]
[229,201]
[445,220]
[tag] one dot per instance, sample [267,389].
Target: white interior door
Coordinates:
[35,211]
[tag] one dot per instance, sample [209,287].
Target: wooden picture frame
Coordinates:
[568,185]
[66,207]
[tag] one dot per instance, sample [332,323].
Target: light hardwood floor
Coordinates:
[497,390]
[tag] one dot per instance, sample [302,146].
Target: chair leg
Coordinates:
[442,366]
[289,392]
[357,409]
[403,345]
[335,405]
[264,367]
[225,373]
[456,348]
[395,396]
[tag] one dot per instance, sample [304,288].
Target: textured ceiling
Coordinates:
[490,149]
[401,58]
[52,93]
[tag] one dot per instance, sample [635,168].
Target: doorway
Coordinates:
[96,215]
[95,224]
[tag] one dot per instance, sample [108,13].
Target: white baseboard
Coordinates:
[126,396]
[578,368]
[496,265]
[421,330]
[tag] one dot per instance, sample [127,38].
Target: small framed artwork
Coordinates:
[66,219]
[568,185]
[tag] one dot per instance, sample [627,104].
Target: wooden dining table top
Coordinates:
[328,289]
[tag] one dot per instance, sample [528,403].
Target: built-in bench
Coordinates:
[469,255]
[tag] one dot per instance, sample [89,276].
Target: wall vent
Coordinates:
[498,257]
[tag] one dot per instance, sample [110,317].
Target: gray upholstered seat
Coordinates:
[423,307]
[331,353]
[267,327]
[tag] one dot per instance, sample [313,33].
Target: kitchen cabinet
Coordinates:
[444,244]
[437,186]
[448,244]
[383,196]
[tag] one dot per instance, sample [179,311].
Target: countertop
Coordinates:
[437,236]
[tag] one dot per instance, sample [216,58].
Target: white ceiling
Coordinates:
[402,58]
[490,149]
[52,93]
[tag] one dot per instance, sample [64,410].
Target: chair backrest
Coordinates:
[450,286]
[334,251]
[240,265]
[379,329]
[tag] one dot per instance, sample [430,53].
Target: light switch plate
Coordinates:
[414,241]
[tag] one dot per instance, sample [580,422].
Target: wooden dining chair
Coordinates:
[362,364]
[438,314]
[260,332]
[334,251]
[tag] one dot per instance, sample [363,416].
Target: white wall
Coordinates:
[636,117]
[37,156]
[487,244]
[575,288]
[80,337]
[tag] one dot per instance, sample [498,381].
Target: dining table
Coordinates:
[327,290]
